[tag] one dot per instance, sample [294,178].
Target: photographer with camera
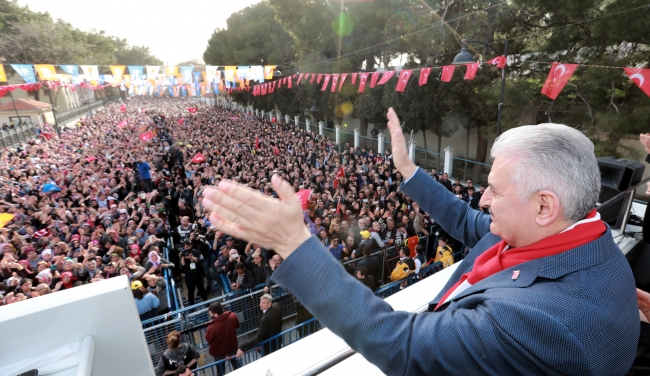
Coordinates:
[190,265]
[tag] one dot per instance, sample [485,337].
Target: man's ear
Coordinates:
[548,207]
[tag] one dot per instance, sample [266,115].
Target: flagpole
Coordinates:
[503,86]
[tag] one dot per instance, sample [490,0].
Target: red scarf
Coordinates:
[495,260]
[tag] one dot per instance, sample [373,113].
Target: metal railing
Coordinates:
[466,169]
[64,117]
[16,135]
[429,159]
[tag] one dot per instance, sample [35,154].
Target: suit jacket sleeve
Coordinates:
[455,216]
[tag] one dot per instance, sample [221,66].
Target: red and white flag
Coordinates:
[289,83]
[374,78]
[303,196]
[354,78]
[387,76]
[300,78]
[338,206]
[276,151]
[470,73]
[424,75]
[362,81]
[313,76]
[146,136]
[342,80]
[42,233]
[320,76]
[404,76]
[499,62]
[339,174]
[557,79]
[326,82]
[192,110]
[257,143]
[198,158]
[335,82]
[181,121]
[641,77]
[447,73]
[122,124]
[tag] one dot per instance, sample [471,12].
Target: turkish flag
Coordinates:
[264,89]
[257,143]
[470,73]
[499,62]
[335,81]
[122,124]
[373,79]
[289,84]
[447,73]
[319,78]
[325,82]
[343,77]
[300,78]
[146,136]
[303,196]
[192,110]
[424,75]
[362,81]
[354,78]
[338,206]
[181,121]
[123,107]
[198,158]
[642,75]
[387,76]
[276,151]
[404,76]
[90,159]
[339,174]
[557,78]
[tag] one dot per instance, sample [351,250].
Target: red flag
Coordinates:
[303,196]
[335,81]
[300,78]
[319,78]
[198,158]
[354,78]
[42,233]
[447,73]
[362,81]
[424,75]
[280,82]
[264,89]
[470,73]
[181,121]
[122,124]
[557,78]
[306,76]
[146,136]
[642,75]
[257,143]
[325,82]
[276,151]
[373,79]
[338,206]
[404,76]
[90,159]
[339,174]
[192,110]
[123,107]
[343,77]
[289,84]
[499,62]
[387,76]
[313,76]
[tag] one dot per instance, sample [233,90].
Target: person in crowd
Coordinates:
[183,371]
[146,302]
[192,271]
[242,278]
[540,253]
[157,286]
[221,336]
[261,270]
[270,326]
[372,265]
[365,278]
[177,355]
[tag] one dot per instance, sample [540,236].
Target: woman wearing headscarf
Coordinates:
[44,276]
[89,271]
[155,263]
[66,282]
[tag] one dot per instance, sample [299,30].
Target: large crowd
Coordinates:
[97,201]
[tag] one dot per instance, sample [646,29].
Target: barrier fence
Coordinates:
[63,117]
[17,134]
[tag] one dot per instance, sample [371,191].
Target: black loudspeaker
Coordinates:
[616,175]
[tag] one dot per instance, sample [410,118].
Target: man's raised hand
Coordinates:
[400,153]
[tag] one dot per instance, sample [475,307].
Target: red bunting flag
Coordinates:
[257,143]
[303,196]
[470,73]
[343,77]
[280,83]
[424,75]
[192,110]
[289,82]
[373,79]
[335,82]
[362,81]
[639,76]
[404,76]
[264,89]
[123,107]
[319,78]
[387,76]
[325,82]
[339,174]
[557,79]
[300,78]
[354,78]
[313,76]
[499,62]
[146,136]
[198,158]
[447,73]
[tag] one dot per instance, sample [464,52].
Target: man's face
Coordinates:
[376,227]
[264,304]
[185,221]
[512,220]
[359,275]
[241,271]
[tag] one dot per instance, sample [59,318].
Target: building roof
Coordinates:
[24,104]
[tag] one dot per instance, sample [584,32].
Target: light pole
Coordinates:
[465,57]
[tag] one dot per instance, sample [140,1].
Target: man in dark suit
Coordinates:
[372,264]
[472,198]
[270,325]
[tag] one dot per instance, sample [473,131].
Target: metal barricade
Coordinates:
[466,169]
[156,331]
[429,159]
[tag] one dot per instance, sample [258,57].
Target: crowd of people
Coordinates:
[98,201]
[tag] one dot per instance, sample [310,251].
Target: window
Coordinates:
[23,119]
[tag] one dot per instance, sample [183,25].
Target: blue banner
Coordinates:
[197,82]
[136,72]
[72,70]
[183,91]
[186,73]
[25,71]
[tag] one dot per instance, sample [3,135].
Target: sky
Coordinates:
[174,31]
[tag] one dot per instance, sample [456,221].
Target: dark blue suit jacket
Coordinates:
[574,313]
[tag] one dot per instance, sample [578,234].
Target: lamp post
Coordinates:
[465,57]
